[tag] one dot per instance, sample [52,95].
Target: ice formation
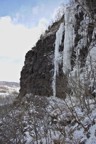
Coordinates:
[69,39]
[57,56]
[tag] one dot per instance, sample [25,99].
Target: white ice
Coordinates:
[57,55]
[69,39]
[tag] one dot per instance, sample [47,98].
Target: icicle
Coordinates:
[57,56]
[69,39]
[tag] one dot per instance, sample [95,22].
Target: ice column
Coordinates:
[57,56]
[69,39]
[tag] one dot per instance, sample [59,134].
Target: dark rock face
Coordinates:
[36,75]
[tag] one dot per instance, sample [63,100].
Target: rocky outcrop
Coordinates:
[77,40]
[37,72]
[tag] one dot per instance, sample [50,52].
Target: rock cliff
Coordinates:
[64,50]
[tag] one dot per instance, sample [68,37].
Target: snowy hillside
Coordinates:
[8,92]
[51,120]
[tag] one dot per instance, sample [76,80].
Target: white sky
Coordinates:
[17,37]
[15,41]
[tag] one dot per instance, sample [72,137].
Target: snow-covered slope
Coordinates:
[8,92]
[50,120]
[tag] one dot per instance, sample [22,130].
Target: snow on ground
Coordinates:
[48,120]
[8,94]
[82,127]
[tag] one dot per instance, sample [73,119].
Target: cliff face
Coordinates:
[61,51]
[37,72]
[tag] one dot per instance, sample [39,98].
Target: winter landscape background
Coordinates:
[55,102]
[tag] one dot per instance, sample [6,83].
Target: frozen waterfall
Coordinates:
[57,56]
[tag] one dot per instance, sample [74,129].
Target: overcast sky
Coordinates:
[21,23]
